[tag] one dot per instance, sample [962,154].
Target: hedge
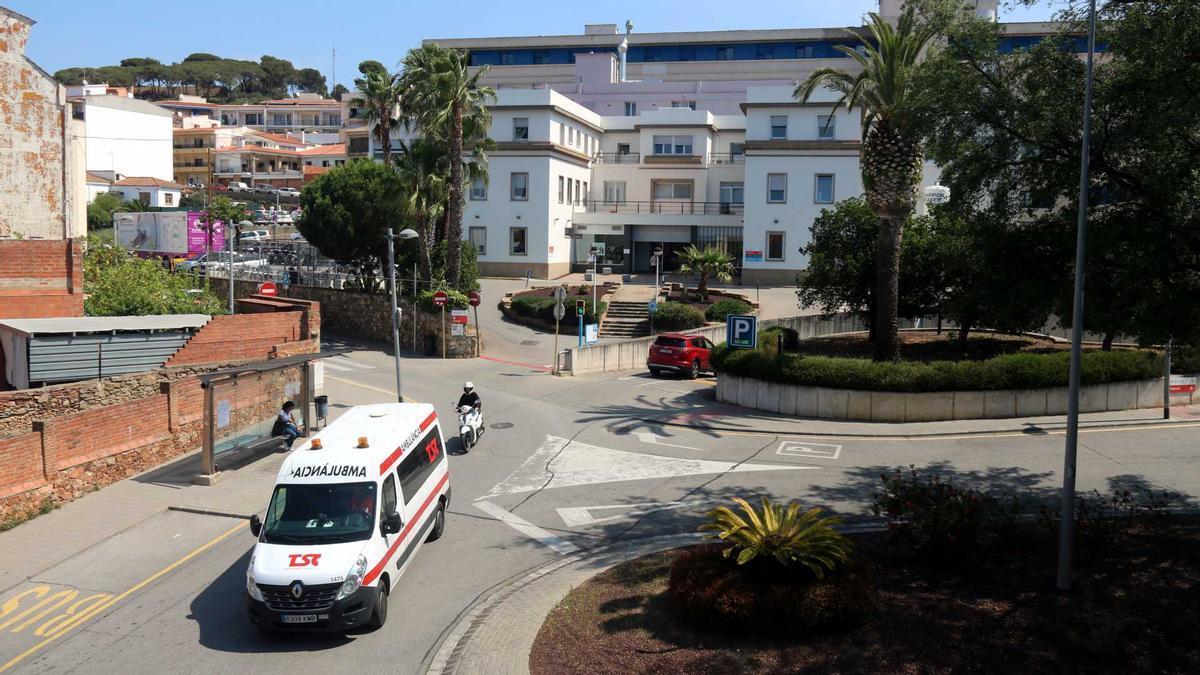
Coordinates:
[720,309]
[677,316]
[457,301]
[542,307]
[1009,371]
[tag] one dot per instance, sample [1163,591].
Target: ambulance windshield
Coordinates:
[329,513]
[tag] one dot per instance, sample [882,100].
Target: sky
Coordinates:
[307,32]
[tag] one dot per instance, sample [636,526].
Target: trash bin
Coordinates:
[322,402]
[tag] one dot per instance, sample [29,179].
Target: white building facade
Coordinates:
[127,137]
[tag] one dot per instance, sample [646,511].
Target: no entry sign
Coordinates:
[474,298]
[268,288]
[440,298]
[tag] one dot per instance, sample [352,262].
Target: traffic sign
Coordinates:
[560,293]
[560,310]
[440,298]
[458,316]
[741,331]
[591,333]
[474,298]
[268,288]
[652,306]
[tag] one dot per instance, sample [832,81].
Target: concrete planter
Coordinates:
[895,406]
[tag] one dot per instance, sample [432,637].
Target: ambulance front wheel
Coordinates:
[439,523]
[379,613]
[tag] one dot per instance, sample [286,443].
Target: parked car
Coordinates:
[288,192]
[254,235]
[297,237]
[219,259]
[220,187]
[264,189]
[679,353]
[239,186]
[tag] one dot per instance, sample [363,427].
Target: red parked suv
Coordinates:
[680,353]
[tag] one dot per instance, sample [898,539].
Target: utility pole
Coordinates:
[391,263]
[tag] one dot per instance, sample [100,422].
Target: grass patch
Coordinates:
[48,504]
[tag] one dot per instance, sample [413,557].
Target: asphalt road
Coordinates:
[566,463]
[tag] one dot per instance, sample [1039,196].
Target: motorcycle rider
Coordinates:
[470,397]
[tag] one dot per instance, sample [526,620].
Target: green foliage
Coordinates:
[677,316]
[121,284]
[457,301]
[542,308]
[346,213]
[768,338]
[1008,371]
[101,210]
[939,520]
[787,536]
[723,308]
[705,264]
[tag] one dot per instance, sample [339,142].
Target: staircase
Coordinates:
[626,320]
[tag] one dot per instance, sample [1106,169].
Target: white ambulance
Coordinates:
[349,509]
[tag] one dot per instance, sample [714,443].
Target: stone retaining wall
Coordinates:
[888,406]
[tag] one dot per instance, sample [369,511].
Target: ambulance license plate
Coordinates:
[298,618]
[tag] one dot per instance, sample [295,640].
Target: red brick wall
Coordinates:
[185,398]
[100,432]
[238,337]
[21,464]
[41,278]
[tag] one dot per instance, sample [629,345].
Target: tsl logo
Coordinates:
[304,559]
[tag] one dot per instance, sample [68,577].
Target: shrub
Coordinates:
[1098,519]
[784,535]
[707,590]
[768,337]
[1008,371]
[939,520]
[119,283]
[542,307]
[677,316]
[723,308]
[457,301]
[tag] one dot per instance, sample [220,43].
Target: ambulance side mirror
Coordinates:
[391,524]
[255,525]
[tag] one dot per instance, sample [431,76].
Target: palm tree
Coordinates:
[445,101]
[381,94]
[422,177]
[707,263]
[892,153]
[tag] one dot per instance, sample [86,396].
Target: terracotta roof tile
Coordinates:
[321,150]
[144,181]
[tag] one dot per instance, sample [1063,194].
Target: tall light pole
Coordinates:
[230,243]
[391,263]
[1066,535]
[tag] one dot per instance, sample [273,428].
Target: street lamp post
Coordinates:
[245,224]
[656,260]
[391,263]
[1066,534]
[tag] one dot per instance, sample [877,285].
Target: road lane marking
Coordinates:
[578,516]
[562,463]
[55,632]
[654,439]
[367,386]
[554,542]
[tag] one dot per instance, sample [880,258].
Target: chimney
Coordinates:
[622,52]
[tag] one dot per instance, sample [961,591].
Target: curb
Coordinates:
[1032,430]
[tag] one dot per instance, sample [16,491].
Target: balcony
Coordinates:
[617,157]
[666,208]
[726,158]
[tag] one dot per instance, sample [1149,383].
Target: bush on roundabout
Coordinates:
[677,316]
[1008,371]
[779,572]
[721,309]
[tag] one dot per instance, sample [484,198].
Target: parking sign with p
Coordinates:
[741,331]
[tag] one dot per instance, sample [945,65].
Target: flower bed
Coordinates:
[535,308]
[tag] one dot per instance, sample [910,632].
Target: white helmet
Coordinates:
[468,386]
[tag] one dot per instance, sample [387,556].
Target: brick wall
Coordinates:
[41,279]
[21,464]
[75,439]
[238,337]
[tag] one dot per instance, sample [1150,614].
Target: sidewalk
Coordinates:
[735,419]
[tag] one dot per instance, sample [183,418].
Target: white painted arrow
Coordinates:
[655,439]
[577,516]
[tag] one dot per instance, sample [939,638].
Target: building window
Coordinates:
[764,52]
[478,190]
[359,145]
[737,150]
[586,194]
[690,105]
[630,108]
[254,119]
[197,142]
[281,120]
[733,192]
[775,246]
[826,126]
[778,127]
[168,199]
[520,128]
[333,121]
[672,145]
[570,192]
[805,52]
[823,193]
[614,192]
[507,58]
[478,238]
[687,53]
[672,189]
[144,197]
[622,148]
[578,193]
[517,241]
[776,188]
[560,189]
[651,54]
[562,134]
[520,187]
[724,53]
[539,58]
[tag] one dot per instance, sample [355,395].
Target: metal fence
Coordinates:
[665,207]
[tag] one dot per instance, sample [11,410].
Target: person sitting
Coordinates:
[285,424]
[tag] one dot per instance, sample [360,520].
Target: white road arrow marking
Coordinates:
[560,463]
[577,516]
[527,528]
[653,439]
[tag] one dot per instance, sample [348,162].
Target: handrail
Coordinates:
[665,207]
[617,157]
[726,158]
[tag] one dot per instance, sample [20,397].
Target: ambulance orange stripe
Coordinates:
[378,569]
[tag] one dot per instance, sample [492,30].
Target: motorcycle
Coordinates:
[470,426]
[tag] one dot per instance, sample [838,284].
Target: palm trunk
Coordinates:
[454,207]
[385,139]
[1108,341]
[887,285]
[426,245]
[703,287]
